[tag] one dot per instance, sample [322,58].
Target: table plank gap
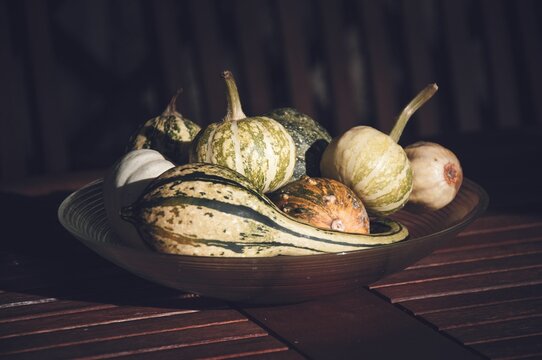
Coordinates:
[108,333]
[487,314]
[451,271]
[496,252]
[501,222]
[262,347]
[505,330]
[470,300]
[499,239]
[512,349]
[454,286]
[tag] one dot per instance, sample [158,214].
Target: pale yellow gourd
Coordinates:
[372,163]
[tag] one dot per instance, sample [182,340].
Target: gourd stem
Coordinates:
[420,99]
[171,108]
[235,112]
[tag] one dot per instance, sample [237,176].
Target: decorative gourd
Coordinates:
[125,182]
[310,140]
[324,203]
[170,134]
[257,147]
[372,163]
[210,210]
[437,175]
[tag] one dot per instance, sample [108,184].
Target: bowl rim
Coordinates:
[472,215]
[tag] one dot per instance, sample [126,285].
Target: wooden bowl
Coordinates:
[271,280]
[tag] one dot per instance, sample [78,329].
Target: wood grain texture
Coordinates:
[484,289]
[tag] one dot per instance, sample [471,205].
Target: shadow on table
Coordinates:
[38,256]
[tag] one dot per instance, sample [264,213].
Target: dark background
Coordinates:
[79,76]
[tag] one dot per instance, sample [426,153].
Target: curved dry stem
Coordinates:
[171,108]
[420,99]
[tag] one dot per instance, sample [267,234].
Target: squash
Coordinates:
[210,210]
[323,203]
[437,175]
[170,134]
[124,183]
[373,164]
[258,147]
[310,140]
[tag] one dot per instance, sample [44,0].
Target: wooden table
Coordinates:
[480,297]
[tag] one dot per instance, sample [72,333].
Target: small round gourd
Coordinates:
[125,182]
[323,203]
[170,134]
[257,147]
[372,163]
[310,140]
[437,175]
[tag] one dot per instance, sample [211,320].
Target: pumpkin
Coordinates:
[170,134]
[373,164]
[257,147]
[310,140]
[210,210]
[124,183]
[323,203]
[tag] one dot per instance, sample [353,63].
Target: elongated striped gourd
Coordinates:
[372,163]
[209,210]
[258,147]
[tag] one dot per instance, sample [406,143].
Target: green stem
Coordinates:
[171,108]
[420,99]
[235,112]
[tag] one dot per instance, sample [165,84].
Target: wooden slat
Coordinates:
[528,22]
[355,325]
[337,65]
[247,19]
[503,71]
[113,331]
[169,42]
[459,270]
[473,299]
[210,56]
[520,348]
[464,71]
[498,331]
[452,286]
[419,40]
[293,35]
[49,107]
[494,252]
[485,314]
[260,347]
[152,343]
[379,54]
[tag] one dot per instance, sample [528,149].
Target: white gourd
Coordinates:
[124,183]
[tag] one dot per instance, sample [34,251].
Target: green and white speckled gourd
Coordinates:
[372,163]
[170,134]
[257,147]
[210,210]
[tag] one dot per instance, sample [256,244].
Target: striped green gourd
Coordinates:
[170,134]
[209,210]
[258,147]
[310,140]
[372,163]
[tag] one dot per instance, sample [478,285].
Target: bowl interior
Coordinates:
[279,279]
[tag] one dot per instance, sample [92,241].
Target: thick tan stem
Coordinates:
[420,99]
[171,108]
[235,112]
